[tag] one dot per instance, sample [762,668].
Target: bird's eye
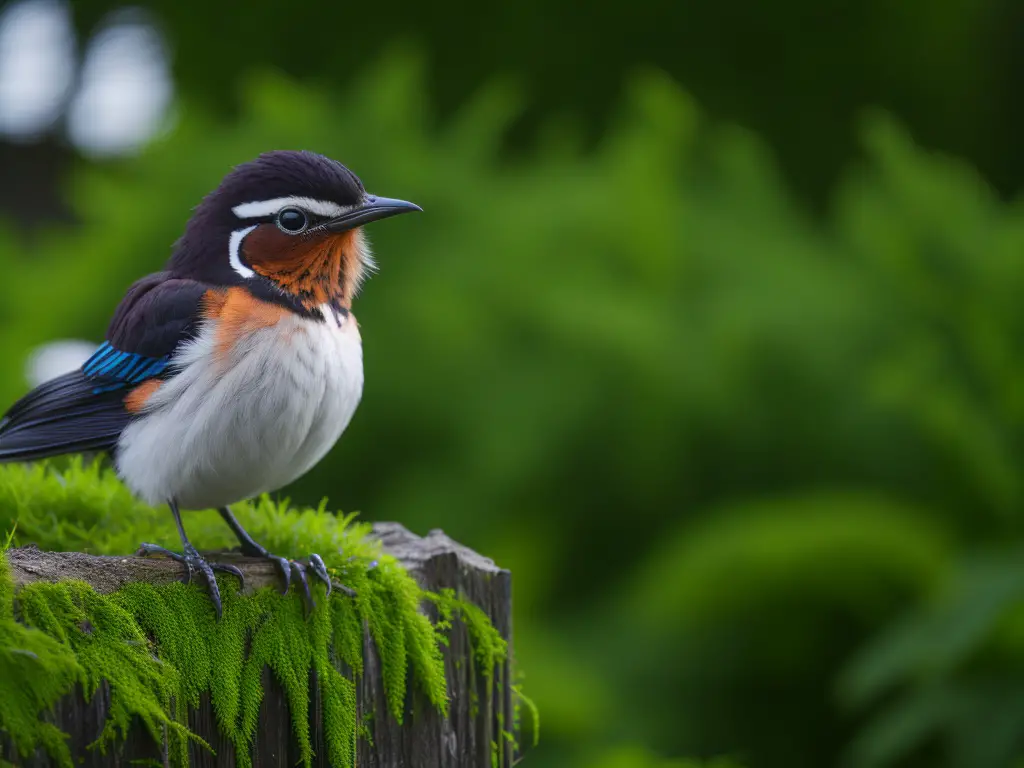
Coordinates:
[292,220]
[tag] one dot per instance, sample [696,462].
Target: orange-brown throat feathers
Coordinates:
[316,268]
[236,314]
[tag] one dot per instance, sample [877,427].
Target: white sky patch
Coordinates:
[37,66]
[56,358]
[125,90]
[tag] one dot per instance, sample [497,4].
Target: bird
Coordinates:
[232,371]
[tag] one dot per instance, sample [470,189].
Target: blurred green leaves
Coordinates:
[947,673]
[738,560]
[720,442]
[944,255]
[638,757]
[754,606]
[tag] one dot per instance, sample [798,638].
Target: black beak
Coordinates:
[372,209]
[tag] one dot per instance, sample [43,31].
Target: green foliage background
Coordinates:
[754,469]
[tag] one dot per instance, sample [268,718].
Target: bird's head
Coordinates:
[288,224]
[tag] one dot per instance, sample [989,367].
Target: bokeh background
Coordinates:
[712,331]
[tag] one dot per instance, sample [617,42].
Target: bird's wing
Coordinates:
[157,314]
[84,410]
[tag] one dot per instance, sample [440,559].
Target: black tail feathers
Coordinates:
[63,415]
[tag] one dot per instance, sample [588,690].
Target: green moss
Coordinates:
[527,717]
[489,648]
[490,651]
[363,732]
[108,645]
[35,671]
[161,648]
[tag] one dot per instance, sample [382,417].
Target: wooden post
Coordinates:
[426,739]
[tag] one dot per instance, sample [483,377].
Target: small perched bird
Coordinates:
[232,372]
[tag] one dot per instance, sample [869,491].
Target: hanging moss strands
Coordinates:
[160,648]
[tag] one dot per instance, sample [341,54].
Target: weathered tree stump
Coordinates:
[426,739]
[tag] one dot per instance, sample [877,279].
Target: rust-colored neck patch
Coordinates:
[136,400]
[235,314]
[317,269]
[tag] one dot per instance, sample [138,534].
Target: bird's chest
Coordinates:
[292,386]
[256,404]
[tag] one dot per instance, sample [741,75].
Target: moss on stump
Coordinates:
[111,660]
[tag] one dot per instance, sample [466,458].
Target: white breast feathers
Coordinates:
[249,412]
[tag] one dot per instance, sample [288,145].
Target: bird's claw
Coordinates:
[317,563]
[225,568]
[300,571]
[193,561]
[287,566]
[284,565]
[319,570]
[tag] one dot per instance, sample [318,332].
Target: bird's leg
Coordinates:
[193,561]
[251,549]
[286,566]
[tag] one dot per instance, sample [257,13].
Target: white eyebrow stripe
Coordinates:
[234,246]
[259,208]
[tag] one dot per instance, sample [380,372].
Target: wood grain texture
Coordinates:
[425,740]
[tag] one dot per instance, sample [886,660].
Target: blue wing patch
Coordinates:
[114,369]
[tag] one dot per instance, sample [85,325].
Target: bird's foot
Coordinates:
[300,570]
[194,562]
